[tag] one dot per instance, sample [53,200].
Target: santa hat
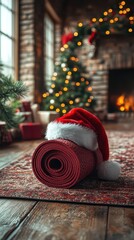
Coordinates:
[86,130]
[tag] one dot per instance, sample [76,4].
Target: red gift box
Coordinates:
[31,131]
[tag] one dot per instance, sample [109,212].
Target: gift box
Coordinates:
[31,131]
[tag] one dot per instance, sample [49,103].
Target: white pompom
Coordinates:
[109,170]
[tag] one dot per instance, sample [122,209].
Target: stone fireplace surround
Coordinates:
[112,52]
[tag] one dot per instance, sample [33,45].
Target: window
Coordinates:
[49,49]
[7,36]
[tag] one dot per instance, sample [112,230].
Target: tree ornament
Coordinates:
[66,38]
[92,36]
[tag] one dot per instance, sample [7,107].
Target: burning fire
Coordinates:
[125,103]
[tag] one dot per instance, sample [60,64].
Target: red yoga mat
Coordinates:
[62,163]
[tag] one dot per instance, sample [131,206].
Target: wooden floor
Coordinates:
[40,220]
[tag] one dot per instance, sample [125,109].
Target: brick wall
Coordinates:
[26,45]
[31,46]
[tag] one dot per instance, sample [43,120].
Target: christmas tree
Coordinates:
[10,91]
[71,85]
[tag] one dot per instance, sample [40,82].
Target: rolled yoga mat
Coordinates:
[62,163]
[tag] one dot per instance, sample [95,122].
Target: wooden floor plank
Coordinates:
[120,224]
[15,150]
[12,212]
[60,221]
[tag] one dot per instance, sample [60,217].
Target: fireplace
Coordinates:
[121,90]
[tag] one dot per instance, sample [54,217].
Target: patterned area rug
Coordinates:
[18,181]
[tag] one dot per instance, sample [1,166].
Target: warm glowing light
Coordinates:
[89,89]
[64,69]
[44,95]
[51,107]
[79,43]
[57,94]
[125,103]
[53,78]
[82,79]
[128,9]
[77,100]
[80,24]
[53,85]
[77,84]
[100,19]
[107,32]
[75,34]
[131,18]
[64,111]
[76,59]
[71,102]
[62,104]
[65,89]
[123,3]
[72,58]
[60,92]
[120,7]
[66,81]
[57,110]
[94,19]
[62,49]
[55,74]
[130,30]
[69,73]
[87,82]
[65,46]
[111,21]
[68,77]
[122,109]
[89,100]
[105,13]
[75,69]
[124,11]
[120,12]
[116,19]
[110,10]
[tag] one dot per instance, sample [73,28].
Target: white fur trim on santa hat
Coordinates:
[109,170]
[80,135]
